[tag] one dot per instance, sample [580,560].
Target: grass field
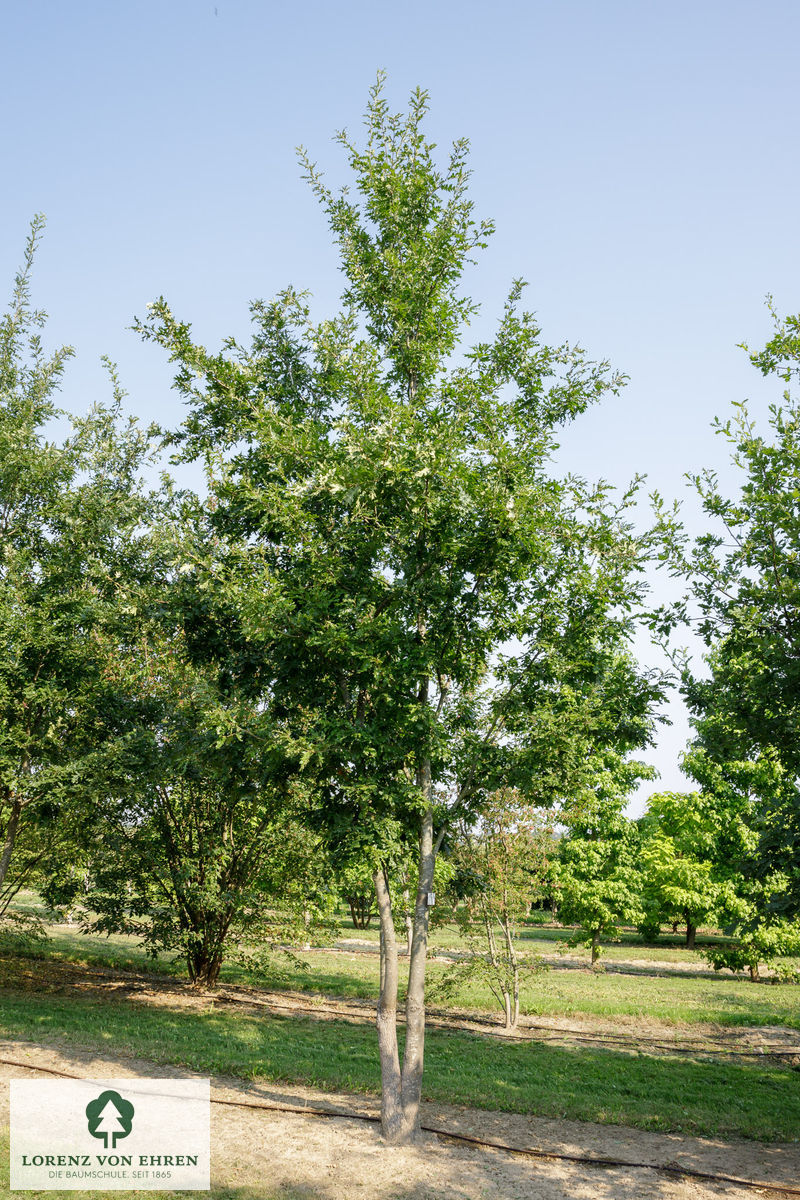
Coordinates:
[722,999]
[687,1093]
[753,1100]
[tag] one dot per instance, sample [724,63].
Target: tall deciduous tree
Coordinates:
[413,575]
[70,518]
[745,601]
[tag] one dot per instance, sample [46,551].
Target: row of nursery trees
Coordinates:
[386,611]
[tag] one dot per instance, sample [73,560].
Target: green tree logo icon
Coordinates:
[109,1116]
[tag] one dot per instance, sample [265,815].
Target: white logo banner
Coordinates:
[110,1134]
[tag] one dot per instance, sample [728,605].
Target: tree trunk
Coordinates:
[754,975]
[360,910]
[512,1015]
[691,930]
[409,924]
[413,1058]
[204,965]
[391,1082]
[595,946]
[401,1089]
[10,838]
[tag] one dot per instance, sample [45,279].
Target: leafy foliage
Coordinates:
[70,519]
[412,579]
[744,600]
[596,878]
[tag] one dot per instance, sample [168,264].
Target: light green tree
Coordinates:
[596,880]
[680,834]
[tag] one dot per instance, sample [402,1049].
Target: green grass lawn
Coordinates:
[685,1095]
[537,935]
[724,999]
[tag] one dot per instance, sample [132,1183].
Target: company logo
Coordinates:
[107,1135]
[109,1117]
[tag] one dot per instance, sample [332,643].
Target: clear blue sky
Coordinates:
[640,161]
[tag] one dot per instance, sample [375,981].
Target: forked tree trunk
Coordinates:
[204,966]
[401,1089]
[360,910]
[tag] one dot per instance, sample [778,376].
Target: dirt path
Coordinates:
[295,1157]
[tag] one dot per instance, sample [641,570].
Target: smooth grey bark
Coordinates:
[414,1055]
[401,1089]
[391,1081]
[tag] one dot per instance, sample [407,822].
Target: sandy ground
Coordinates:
[296,1157]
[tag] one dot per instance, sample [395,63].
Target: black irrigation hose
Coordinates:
[582,1159]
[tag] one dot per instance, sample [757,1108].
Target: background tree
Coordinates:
[744,600]
[200,844]
[358,891]
[394,529]
[71,519]
[499,870]
[680,834]
[596,876]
